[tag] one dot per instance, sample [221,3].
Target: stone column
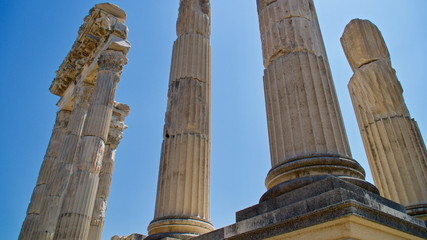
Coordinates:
[76,212]
[395,148]
[183,191]
[307,137]
[63,167]
[32,219]
[115,134]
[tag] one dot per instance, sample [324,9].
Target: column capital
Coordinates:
[111,60]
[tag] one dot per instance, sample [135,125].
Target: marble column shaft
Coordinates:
[115,134]
[63,167]
[32,219]
[394,146]
[76,213]
[307,137]
[183,193]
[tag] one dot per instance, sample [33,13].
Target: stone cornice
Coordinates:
[103,22]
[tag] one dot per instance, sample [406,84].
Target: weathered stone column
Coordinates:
[183,191]
[115,134]
[395,148]
[32,219]
[76,212]
[63,167]
[308,140]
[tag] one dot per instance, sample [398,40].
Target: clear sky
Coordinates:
[37,35]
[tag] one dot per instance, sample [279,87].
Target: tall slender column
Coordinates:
[395,148]
[307,137]
[63,168]
[76,212]
[32,219]
[183,191]
[115,134]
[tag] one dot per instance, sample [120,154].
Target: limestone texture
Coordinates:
[183,193]
[394,146]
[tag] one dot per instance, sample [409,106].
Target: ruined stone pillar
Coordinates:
[183,191]
[393,143]
[32,219]
[115,134]
[76,213]
[63,167]
[307,137]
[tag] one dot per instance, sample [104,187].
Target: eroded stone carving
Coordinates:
[104,20]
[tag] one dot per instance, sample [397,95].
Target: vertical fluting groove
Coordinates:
[378,145]
[396,154]
[407,152]
[268,104]
[321,140]
[388,154]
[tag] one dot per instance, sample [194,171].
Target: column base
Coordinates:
[305,170]
[327,209]
[178,227]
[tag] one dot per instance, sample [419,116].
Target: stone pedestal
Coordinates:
[76,213]
[183,193]
[396,151]
[32,220]
[115,134]
[329,209]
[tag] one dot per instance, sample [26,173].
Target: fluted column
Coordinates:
[183,192]
[307,137]
[63,167]
[115,134]
[32,219]
[395,148]
[76,212]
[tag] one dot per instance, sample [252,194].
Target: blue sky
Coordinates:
[37,35]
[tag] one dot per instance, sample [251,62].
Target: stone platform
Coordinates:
[327,209]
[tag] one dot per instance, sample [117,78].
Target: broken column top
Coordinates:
[363,43]
[105,21]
